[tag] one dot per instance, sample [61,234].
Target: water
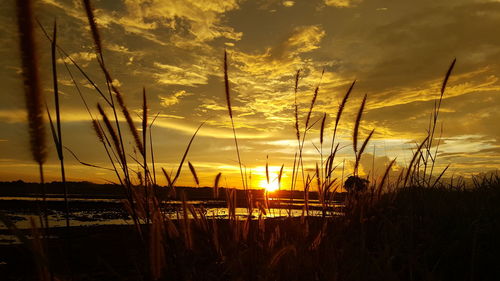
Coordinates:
[93,212]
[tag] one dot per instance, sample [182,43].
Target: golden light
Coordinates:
[271,186]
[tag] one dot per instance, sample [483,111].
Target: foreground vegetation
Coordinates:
[414,233]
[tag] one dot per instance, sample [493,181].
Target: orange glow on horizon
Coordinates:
[271,186]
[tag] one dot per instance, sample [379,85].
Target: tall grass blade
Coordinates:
[384,177]
[356,125]
[297,128]
[178,173]
[440,175]
[362,149]
[144,126]
[228,100]
[152,148]
[59,142]
[410,166]
[267,169]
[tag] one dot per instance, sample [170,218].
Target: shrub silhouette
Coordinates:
[355,184]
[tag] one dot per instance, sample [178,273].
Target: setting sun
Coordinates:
[271,186]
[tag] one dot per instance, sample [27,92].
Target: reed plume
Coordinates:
[112,133]
[280,174]
[93,27]
[130,122]
[362,149]
[339,113]
[193,172]
[356,125]
[98,132]
[32,94]
[169,181]
[216,185]
[433,123]
[313,101]
[322,130]
[31,82]
[447,76]
[297,129]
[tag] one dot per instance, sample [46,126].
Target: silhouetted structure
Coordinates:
[355,184]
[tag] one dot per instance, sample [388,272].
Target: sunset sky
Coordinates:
[397,51]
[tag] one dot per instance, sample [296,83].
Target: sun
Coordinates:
[271,186]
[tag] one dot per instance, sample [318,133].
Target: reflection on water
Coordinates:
[92,212]
[59,199]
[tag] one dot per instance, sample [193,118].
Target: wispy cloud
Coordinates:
[172,99]
[341,3]
[175,75]
[80,57]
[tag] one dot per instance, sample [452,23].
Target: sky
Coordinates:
[397,51]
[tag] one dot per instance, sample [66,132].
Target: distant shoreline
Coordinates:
[88,190]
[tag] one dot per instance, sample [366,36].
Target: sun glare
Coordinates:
[271,186]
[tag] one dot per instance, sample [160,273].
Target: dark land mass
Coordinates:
[413,234]
[410,234]
[88,190]
[113,191]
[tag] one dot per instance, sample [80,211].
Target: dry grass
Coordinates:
[31,81]
[230,112]
[193,172]
[356,125]
[297,128]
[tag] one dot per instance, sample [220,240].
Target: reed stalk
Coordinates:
[32,93]
[433,123]
[143,144]
[152,148]
[300,164]
[58,137]
[230,111]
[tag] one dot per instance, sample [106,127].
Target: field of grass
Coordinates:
[414,233]
[412,227]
